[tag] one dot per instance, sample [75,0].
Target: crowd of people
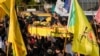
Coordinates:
[37,45]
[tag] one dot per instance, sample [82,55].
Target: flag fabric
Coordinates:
[1,1]
[5,5]
[84,41]
[97,16]
[71,20]
[2,14]
[62,8]
[14,35]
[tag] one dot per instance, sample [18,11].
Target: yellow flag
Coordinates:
[5,5]
[84,41]
[1,1]
[2,14]
[14,35]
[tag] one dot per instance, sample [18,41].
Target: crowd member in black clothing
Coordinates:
[21,23]
[46,45]
[96,29]
[64,21]
[98,39]
[94,26]
[23,28]
[35,50]
[35,17]
[2,36]
[58,52]
[59,43]
[2,53]
[55,20]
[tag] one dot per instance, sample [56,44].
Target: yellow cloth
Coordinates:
[1,1]
[14,35]
[2,14]
[47,31]
[5,5]
[84,41]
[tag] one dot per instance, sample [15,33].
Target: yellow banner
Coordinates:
[48,31]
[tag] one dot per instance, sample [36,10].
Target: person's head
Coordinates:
[39,37]
[48,38]
[54,14]
[49,51]
[57,50]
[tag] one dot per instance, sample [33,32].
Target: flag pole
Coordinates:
[8,46]
[65,42]
[7,50]
[78,54]
[64,46]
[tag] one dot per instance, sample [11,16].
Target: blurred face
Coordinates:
[57,51]
[48,38]
[63,19]
[56,17]
[39,37]
[35,40]
[54,14]
[34,36]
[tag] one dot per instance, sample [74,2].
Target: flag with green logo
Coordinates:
[84,41]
